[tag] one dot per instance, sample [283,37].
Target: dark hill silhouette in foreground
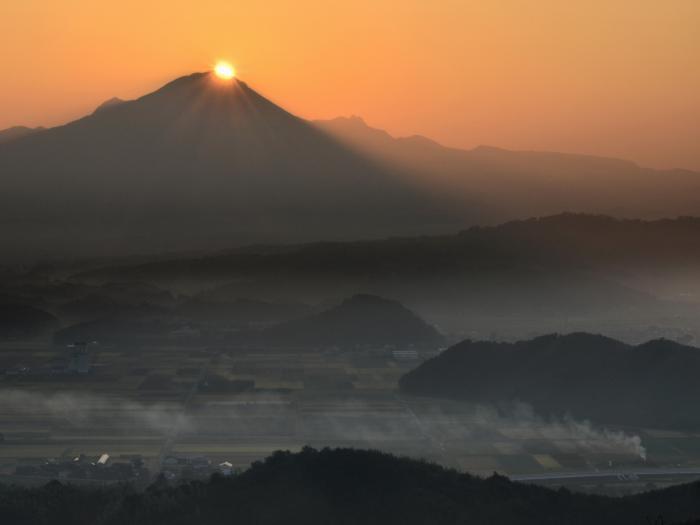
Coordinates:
[341,486]
[588,376]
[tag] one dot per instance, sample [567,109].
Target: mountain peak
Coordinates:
[212,160]
[112,102]
[215,100]
[194,93]
[202,80]
[360,319]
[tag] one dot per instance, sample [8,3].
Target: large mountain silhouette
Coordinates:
[197,160]
[501,185]
[203,163]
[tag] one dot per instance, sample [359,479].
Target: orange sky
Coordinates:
[609,77]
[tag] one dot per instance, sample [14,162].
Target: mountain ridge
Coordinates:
[17,133]
[360,125]
[199,158]
[202,163]
[346,126]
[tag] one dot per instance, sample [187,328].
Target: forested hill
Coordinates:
[568,263]
[573,240]
[361,319]
[341,486]
[588,376]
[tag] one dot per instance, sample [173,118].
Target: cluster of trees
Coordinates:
[588,376]
[340,486]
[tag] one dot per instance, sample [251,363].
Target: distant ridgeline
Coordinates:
[357,321]
[587,376]
[341,486]
[563,264]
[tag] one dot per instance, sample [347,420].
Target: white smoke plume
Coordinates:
[404,426]
[583,435]
[83,409]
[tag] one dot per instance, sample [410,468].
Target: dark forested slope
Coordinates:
[341,487]
[588,376]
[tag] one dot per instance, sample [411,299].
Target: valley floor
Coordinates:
[188,411]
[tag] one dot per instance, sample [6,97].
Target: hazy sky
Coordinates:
[610,77]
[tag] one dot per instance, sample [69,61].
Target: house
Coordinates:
[226,468]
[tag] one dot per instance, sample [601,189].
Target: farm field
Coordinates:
[237,406]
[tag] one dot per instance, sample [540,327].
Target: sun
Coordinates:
[224,70]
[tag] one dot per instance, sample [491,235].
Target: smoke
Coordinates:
[520,419]
[82,410]
[439,429]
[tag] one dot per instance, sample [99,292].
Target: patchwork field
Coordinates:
[238,406]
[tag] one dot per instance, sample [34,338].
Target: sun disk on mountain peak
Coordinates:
[224,70]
